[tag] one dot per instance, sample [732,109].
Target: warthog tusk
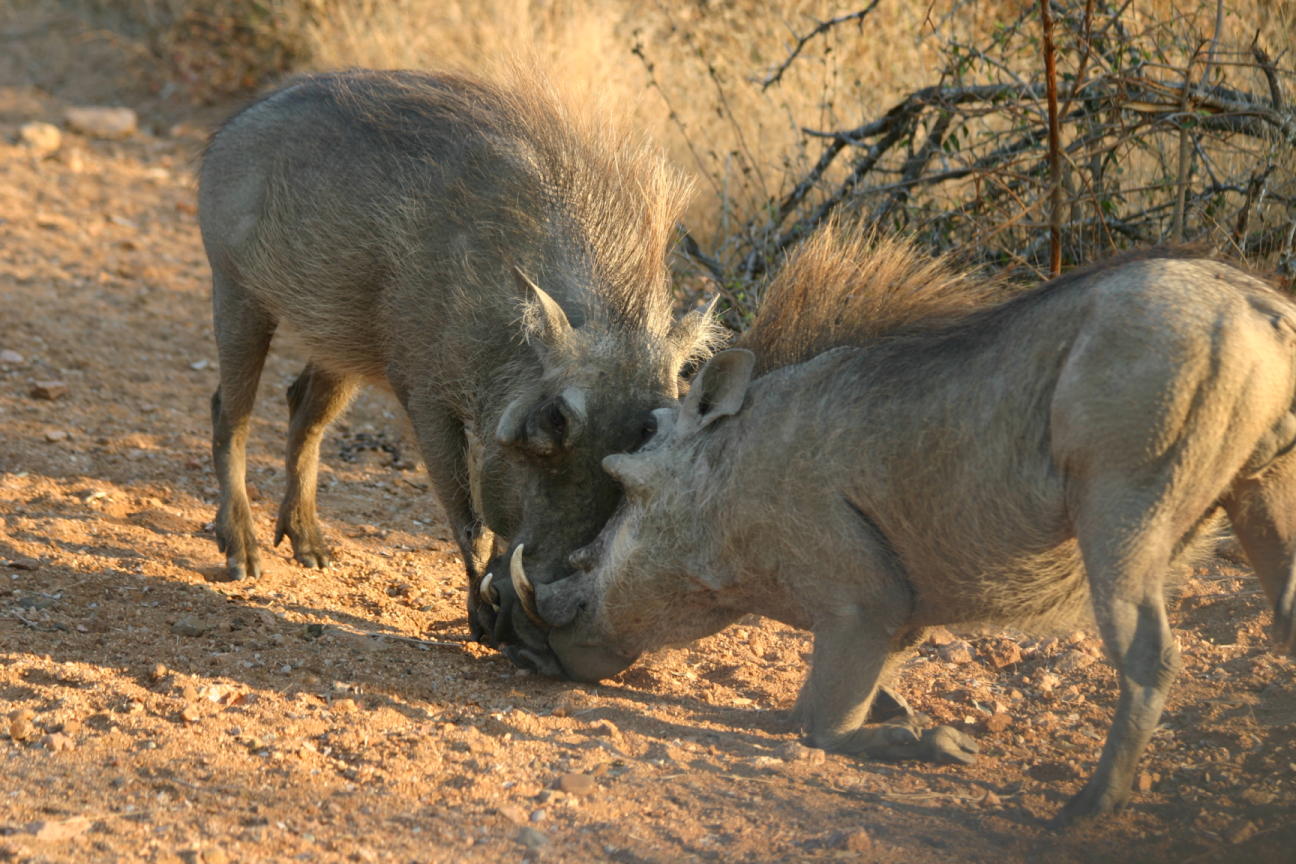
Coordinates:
[487,593]
[523,588]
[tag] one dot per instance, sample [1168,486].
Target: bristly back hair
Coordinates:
[848,284]
[623,198]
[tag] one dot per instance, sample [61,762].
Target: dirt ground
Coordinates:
[154,713]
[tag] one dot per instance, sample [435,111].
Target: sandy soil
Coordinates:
[153,713]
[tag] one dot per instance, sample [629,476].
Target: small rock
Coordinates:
[199,365]
[1244,833]
[159,672]
[20,725]
[940,636]
[531,838]
[1144,783]
[1046,682]
[190,714]
[857,841]
[538,815]
[55,831]
[9,357]
[188,625]
[345,705]
[50,390]
[513,813]
[605,728]
[991,799]
[998,722]
[574,783]
[795,751]
[100,122]
[1073,661]
[53,435]
[215,856]
[957,651]
[57,742]
[24,563]
[41,138]
[1004,653]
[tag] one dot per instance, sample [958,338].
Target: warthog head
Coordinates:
[647,579]
[541,483]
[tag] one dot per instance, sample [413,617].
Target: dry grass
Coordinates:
[689,74]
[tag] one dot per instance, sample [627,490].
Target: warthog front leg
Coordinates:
[445,451]
[853,654]
[243,333]
[315,399]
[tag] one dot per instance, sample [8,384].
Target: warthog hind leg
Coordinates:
[1262,510]
[243,333]
[315,399]
[1126,570]
[853,654]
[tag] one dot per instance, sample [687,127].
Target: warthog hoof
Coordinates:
[1093,800]
[945,744]
[239,546]
[309,548]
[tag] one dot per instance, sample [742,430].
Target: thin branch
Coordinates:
[823,27]
[1054,139]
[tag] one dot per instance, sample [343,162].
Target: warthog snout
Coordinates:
[542,627]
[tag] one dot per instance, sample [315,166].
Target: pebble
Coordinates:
[1004,653]
[50,390]
[574,783]
[940,636]
[605,728]
[215,856]
[795,751]
[188,625]
[1073,661]
[41,138]
[957,651]
[538,815]
[998,722]
[1144,783]
[513,813]
[9,357]
[99,122]
[20,725]
[857,841]
[190,714]
[1243,834]
[57,830]
[531,838]
[52,435]
[57,742]
[345,705]
[1046,682]
[991,799]
[159,672]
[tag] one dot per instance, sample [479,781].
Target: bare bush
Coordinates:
[1169,132]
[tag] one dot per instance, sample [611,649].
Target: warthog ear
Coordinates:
[696,335]
[718,390]
[544,317]
[545,427]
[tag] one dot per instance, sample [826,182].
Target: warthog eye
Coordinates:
[648,431]
[556,420]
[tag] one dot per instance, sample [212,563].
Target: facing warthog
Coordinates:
[393,224]
[999,466]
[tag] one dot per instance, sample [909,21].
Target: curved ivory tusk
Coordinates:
[487,593]
[524,589]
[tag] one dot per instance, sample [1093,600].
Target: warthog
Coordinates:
[393,223]
[999,466]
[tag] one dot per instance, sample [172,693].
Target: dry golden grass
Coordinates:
[694,84]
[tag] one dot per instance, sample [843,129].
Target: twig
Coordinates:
[823,27]
[1054,157]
